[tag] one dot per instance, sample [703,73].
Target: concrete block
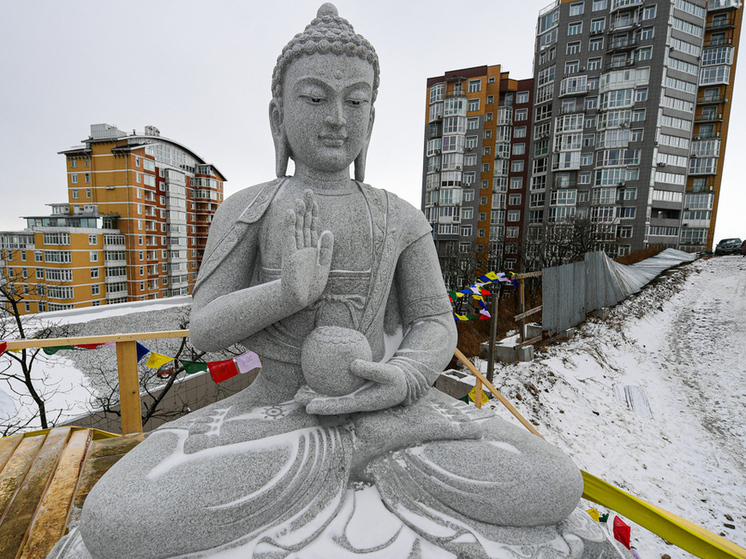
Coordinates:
[452,383]
[525,353]
[533,330]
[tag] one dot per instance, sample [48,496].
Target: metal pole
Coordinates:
[493,331]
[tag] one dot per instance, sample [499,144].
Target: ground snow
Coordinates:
[681,342]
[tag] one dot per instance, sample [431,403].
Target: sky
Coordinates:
[200,72]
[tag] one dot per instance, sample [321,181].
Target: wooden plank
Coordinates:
[102,455]
[51,517]
[477,373]
[531,341]
[78,340]
[129,388]
[115,446]
[527,313]
[8,445]
[528,275]
[20,513]
[15,471]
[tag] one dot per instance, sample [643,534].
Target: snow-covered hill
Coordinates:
[682,343]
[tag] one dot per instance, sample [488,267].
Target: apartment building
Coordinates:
[630,119]
[134,227]
[475,169]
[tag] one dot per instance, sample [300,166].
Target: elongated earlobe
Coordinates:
[282,149]
[362,157]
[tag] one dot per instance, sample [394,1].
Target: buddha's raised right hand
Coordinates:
[306,254]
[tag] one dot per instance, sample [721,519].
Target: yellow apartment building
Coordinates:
[134,227]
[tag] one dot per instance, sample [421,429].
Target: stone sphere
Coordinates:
[326,356]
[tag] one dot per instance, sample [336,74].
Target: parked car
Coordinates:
[728,246]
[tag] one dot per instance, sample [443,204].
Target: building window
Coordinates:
[596,44]
[597,25]
[516,183]
[521,114]
[573,48]
[521,97]
[519,149]
[94,273]
[575,28]
[73,162]
[514,215]
[490,99]
[466,230]
[475,86]
[473,105]
[92,239]
[472,123]
[96,289]
[436,93]
[572,67]
[648,12]
[519,132]
[599,5]
[576,9]
[514,200]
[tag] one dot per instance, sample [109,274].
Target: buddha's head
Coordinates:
[323,89]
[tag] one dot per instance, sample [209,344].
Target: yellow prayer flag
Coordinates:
[156,360]
[473,395]
[594,514]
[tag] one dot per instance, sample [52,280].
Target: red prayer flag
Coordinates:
[3,347]
[222,370]
[621,531]
[88,346]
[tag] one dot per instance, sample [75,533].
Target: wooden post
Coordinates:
[497,289]
[129,387]
[522,303]
[478,394]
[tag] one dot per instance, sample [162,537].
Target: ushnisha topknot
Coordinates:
[327,33]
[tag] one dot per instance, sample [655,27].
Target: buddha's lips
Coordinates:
[333,141]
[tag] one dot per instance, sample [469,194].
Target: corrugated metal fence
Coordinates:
[571,291]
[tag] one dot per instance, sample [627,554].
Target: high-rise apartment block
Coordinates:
[476,167]
[134,227]
[618,143]
[630,118]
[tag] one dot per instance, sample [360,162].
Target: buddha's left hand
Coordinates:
[387,388]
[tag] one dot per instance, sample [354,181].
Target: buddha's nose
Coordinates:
[336,116]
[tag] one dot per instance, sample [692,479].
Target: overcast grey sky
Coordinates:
[200,72]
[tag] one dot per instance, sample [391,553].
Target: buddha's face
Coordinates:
[327,110]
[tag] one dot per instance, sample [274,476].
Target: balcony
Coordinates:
[721,23]
[713,5]
[711,99]
[621,44]
[621,4]
[715,117]
[718,42]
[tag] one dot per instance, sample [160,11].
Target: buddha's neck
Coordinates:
[323,181]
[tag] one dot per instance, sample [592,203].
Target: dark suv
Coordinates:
[728,246]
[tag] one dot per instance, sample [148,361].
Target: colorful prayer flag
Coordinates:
[3,347]
[621,531]
[594,514]
[156,360]
[248,362]
[484,315]
[473,395]
[88,346]
[54,349]
[142,351]
[222,370]
[192,367]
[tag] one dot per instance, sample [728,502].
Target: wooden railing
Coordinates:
[129,381]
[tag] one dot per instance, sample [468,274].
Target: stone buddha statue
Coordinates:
[341,447]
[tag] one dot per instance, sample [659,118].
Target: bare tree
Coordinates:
[18,369]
